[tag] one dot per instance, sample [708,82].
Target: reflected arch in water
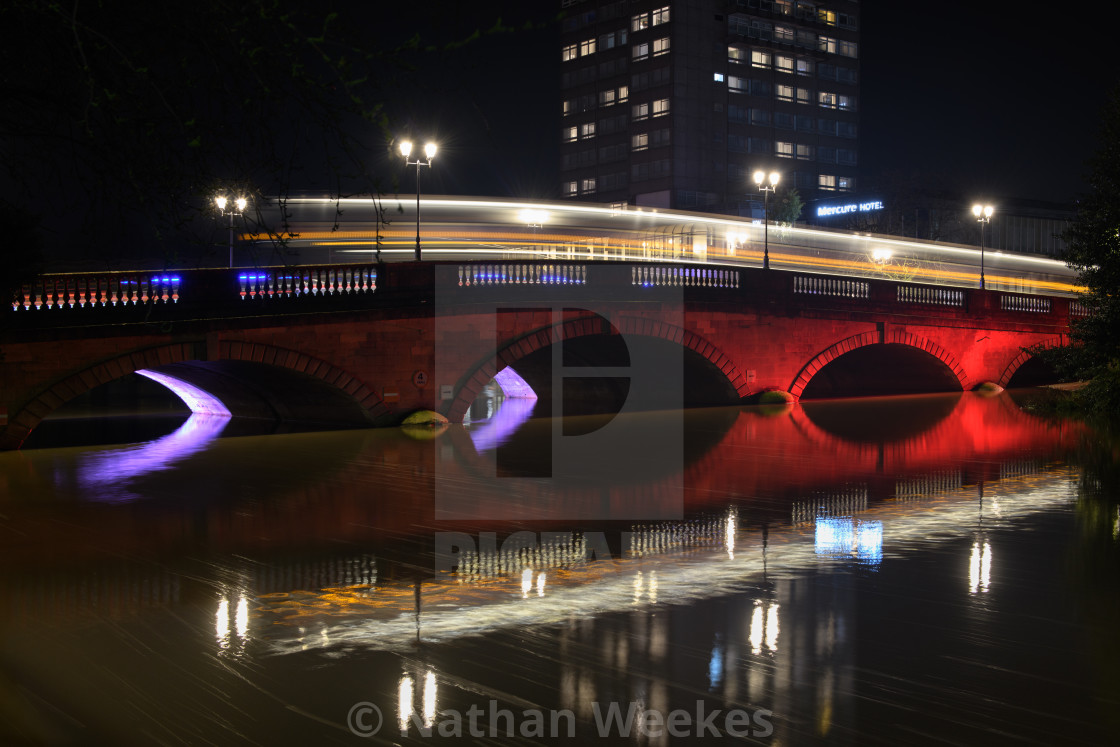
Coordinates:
[105,475]
[866,365]
[247,379]
[890,419]
[710,376]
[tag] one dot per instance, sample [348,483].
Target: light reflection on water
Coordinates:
[314,582]
[104,475]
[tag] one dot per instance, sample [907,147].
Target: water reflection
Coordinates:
[105,475]
[232,639]
[746,598]
[681,574]
[499,427]
[980,567]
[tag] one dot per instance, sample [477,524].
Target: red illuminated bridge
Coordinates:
[692,320]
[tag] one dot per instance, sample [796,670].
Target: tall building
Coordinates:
[676,103]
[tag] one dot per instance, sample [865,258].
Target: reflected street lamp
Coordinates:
[761,180]
[238,208]
[430,153]
[983,215]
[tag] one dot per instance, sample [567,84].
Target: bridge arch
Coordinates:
[531,342]
[164,356]
[894,336]
[1025,355]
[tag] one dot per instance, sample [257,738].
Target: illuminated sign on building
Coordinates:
[825,211]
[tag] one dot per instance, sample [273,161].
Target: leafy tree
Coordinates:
[116,110]
[787,206]
[122,120]
[1093,249]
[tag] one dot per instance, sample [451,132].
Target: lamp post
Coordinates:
[430,153]
[766,185]
[983,215]
[238,208]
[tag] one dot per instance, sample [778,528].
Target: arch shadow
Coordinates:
[183,360]
[1025,355]
[473,382]
[896,337]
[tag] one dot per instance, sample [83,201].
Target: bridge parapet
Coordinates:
[93,299]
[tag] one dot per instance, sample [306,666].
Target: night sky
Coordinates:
[981,100]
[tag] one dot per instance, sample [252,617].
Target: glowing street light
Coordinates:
[983,215]
[430,153]
[762,180]
[238,208]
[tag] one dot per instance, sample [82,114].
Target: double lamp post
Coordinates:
[429,153]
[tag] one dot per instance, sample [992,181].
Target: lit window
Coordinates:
[804,152]
[571,188]
[784,7]
[660,107]
[826,16]
[660,46]
[760,58]
[570,134]
[567,108]
[845,183]
[736,54]
[717,77]
[783,150]
[570,52]
[804,67]
[804,96]
[587,131]
[639,22]
[735,83]
[639,142]
[639,111]
[826,44]
[783,34]
[659,16]
[606,98]
[587,185]
[623,94]
[826,100]
[846,102]
[783,93]
[587,47]
[784,64]
[848,49]
[640,51]
[827,182]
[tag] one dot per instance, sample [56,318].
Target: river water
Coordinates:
[939,569]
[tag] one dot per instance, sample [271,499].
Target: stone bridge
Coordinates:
[369,344]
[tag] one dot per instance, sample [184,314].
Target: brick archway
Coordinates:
[581,327]
[897,337]
[1024,356]
[19,426]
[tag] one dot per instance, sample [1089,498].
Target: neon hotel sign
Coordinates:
[825,211]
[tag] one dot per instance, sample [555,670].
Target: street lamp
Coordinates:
[238,208]
[430,153]
[983,215]
[761,180]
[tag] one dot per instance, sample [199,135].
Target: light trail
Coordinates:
[461,229]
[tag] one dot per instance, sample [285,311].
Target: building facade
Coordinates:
[676,103]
